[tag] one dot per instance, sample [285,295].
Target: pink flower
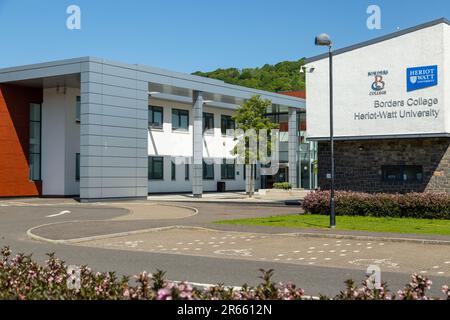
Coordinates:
[164,294]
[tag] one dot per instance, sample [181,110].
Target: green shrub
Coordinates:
[282,186]
[412,205]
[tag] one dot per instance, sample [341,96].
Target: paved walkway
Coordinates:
[354,254]
[263,197]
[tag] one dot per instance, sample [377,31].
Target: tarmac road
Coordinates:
[231,264]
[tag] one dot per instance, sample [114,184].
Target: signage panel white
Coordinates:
[390,88]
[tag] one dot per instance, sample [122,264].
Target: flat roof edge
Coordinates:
[46,64]
[380,39]
[244,91]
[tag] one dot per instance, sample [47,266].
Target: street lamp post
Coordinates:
[324,40]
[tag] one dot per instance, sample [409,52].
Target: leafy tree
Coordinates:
[283,76]
[251,117]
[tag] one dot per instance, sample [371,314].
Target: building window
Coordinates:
[78,109]
[77,167]
[155,117]
[186,171]
[208,122]
[174,171]
[228,170]
[35,142]
[227,123]
[155,168]
[409,174]
[180,120]
[208,171]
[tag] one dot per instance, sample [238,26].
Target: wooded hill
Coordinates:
[283,76]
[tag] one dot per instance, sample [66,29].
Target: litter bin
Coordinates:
[221,186]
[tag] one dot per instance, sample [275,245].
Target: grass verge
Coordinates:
[371,224]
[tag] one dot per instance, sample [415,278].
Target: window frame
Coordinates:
[152,110]
[35,153]
[225,170]
[204,171]
[208,116]
[178,113]
[77,166]
[151,166]
[186,172]
[402,173]
[225,121]
[78,109]
[173,171]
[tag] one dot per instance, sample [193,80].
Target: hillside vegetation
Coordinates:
[283,76]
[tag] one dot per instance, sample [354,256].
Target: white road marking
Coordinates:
[58,214]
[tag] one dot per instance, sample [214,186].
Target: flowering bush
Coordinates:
[21,278]
[412,205]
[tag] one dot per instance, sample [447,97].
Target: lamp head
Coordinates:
[323,40]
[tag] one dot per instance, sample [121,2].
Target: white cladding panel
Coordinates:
[60,142]
[361,111]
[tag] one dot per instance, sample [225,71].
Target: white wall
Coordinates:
[353,93]
[180,144]
[60,142]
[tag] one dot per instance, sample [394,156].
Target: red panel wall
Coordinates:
[14,140]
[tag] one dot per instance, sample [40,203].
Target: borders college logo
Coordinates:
[421,77]
[378,85]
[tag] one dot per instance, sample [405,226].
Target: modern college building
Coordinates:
[391,112]
[101,129]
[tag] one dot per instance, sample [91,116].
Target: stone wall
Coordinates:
[358,164]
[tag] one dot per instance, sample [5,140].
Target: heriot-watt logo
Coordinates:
[378,84]
[421,77]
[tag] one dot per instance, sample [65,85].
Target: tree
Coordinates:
[251,118]
[284,76]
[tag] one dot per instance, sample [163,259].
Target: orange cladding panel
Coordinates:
[14,140]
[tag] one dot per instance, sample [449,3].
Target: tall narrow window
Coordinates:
[77,167]
[208,171]
[155,168]
[174,171]
[35,142]
[226,123]
[78,109]
[208,122]
[228,170]
[186,171]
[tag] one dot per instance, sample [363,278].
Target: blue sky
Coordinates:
[197,34]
